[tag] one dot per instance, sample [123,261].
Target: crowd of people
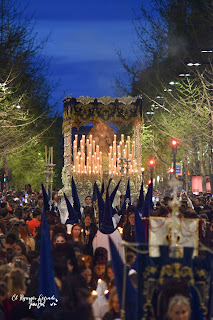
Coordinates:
[85,279]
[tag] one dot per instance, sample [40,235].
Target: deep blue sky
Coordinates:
[83,37]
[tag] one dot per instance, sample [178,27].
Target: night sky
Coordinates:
[84,36]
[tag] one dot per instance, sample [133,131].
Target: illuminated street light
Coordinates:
[184,75]
[190,64]
[151,165]
[142,173]
[173,83]
[174,144]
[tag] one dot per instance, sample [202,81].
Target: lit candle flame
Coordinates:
[94,293]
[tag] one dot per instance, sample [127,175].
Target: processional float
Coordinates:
[101,154]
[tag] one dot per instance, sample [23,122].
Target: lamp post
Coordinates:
[171,170]
[142,174]
[151,165]
[174,151]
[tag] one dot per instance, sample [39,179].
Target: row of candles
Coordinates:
[88,160]
[122,151]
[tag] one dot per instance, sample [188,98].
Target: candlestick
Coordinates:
[51,148]
[49,156]
[46,154]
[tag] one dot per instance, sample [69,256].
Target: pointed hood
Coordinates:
[107,226]
[102,188]
[112,196]
[76,202]
[47,285]
[73,217]
[127,196]
[45,199]
[130,298]
[139,228]
[148,204]
[97,194]
[141,199]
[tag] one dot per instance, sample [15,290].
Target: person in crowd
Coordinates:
[40,201]
[24,234]
[11,240]
[20,248]
[129,228]
[108,277]
[77,236]
[33,200]
[60,238]
[87,208]
[99,263]
[36,221]
[3,297]
[89,232]
[37,237]
[87,274]
[114,307]
[179,308]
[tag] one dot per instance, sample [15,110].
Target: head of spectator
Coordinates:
[20,248]
[60,238]
[11,240]
[88,201]
[16,282]
[179,308]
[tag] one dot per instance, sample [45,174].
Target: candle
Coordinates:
[122,137]
[97,150]
[90,157]
[109,156]
[100,159]
[95,159]
[93,146]
[133,149]
[90,139]
[87,164]
[87,146]
[114,147]
[128,147]
[115,138]
[93,162]
[83,142]
[121,148]
[114,159]
[98,164]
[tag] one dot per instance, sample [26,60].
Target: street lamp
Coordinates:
[171,170]
[151,165]
[174,151]
[142,173]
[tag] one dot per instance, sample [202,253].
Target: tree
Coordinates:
[25,112]
[24,89]
[186,114]
[172,34]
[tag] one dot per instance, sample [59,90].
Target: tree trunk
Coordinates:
[202,170]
